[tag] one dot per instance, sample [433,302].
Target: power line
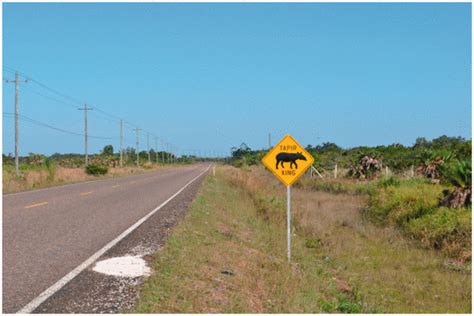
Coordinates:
[43,85]
[35,122]
[73,102]
[50,98]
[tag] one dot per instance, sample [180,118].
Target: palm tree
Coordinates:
[432,162]
[459,174]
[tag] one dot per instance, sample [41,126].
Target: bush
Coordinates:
[387,182]
[400,204]
[446,229]
[414,206]
[51,167]
[459,174]
[147,165]
[96,169]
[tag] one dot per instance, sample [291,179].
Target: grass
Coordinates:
[412,205]
[228,256]
[336,186]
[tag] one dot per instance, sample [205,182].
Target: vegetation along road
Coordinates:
[235,233]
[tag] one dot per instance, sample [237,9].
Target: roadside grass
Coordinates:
[411,205]
[226,258]
[47,175]
[336,186]
[229,255]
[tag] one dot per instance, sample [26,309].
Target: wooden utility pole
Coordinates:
[85,109]
[168,152]
[17,136]
[148,146]
[137,130]
[162,153]
[156,149]
[121,143]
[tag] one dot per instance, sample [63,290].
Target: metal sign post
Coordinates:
[288,211]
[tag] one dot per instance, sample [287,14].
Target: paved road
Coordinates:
[47,233]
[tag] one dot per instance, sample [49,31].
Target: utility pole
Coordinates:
[171,154]
[162,153]
[148,146]
[121,143]
[138,142]
[156,149]
[168,152]
[85,109]
[17,157]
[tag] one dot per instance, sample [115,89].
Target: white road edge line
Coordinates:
[31,306]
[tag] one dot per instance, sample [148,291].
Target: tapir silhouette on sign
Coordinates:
[289,157]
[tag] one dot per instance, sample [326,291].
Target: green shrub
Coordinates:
[447,229]
[387,182]
[96,169]
[400,204]
[311,242]
[51,167]
[343,305]
[414,206]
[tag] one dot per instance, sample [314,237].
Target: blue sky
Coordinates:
[211,76]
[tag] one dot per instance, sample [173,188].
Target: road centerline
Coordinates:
[87,193]
[36,205]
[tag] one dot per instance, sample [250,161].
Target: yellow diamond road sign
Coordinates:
[288,160]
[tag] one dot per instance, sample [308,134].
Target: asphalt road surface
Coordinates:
[47,233]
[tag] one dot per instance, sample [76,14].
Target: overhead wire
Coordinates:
[74,102]
[38,123]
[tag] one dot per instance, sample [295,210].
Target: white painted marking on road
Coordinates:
[115,186]
[36,205]
[124,267]
[86,193]
[31,306]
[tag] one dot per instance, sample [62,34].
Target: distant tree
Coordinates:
[108,150]
[240,151]
[447,142]
[130,151]
[421,142]
[327,147]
